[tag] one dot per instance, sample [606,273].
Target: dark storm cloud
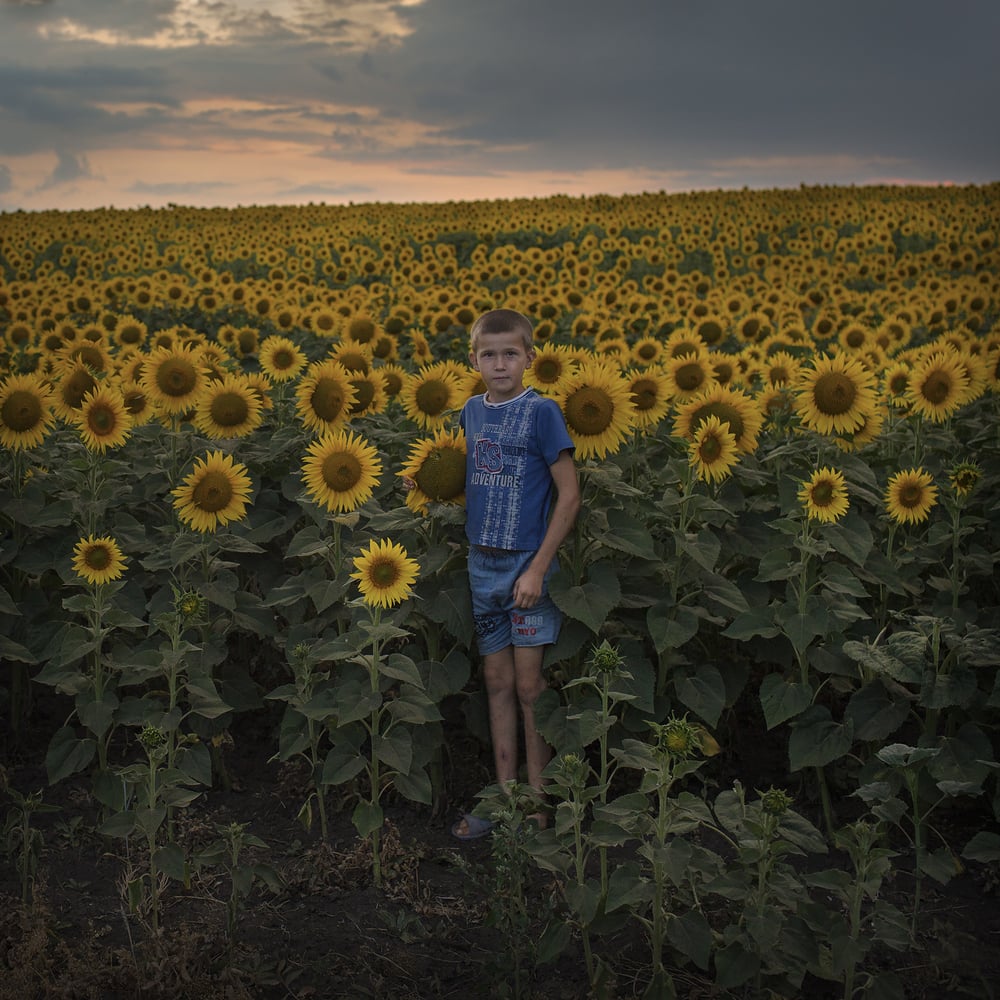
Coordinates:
[650,82]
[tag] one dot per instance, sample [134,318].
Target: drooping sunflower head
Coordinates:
[596,401]
[436,466]
[340,471]
[215,493]
[835,394]
[26,414]
[824,495]
[713,452]
[103,419]
[910,495]
[98,560]
[964,478]
[385,573]
[228,408]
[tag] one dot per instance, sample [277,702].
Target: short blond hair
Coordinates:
[502,321]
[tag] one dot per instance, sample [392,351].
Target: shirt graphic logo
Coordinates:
[489,457]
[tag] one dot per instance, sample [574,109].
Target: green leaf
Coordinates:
[626,534]
[782,699]
[308,542]
[671,626]
[802,628]
[851,536]
[441,679]
[691,935]
[342,763]
[901,755]
[941,865]
[367,818]
[66,754]
[121,824]
[415,785]
[875,713]
[591,602]
[777,564]
[734,965]
[355,700]
[394,749]
[627,887]
[412,705]
[205,700]
[755,622]
[170,860]
[838,578]
[583,901]
[451,605]
[401,668]
[7,605]
[703,690]
[554,941]
[10,650]
[817,740]
[984,847]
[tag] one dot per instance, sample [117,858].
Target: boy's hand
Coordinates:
[528,588]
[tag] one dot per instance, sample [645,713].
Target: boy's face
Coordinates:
[502,360]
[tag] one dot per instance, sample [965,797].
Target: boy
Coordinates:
[518,451]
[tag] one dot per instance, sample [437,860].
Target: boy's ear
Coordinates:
[472,360]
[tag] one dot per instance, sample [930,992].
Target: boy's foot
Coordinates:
[471,827]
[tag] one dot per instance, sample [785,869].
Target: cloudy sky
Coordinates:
[228,102]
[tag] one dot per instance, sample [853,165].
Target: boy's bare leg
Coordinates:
[501,693]
[530,684]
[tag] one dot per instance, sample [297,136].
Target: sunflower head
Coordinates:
[964,477]
[910,495]
[385,573]
[215,493]
[824,495]
[25,412]
[98,560]
[775,802]
[341,471]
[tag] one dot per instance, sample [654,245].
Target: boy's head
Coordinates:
[502,321]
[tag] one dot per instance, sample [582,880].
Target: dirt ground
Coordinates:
[328,932]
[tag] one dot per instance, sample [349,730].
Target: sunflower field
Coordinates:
[774,700]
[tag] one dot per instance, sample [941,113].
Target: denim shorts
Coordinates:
[492,575]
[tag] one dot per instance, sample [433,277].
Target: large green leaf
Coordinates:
[817,740]
[627,534]
[451,605]
[367,818]
[415,785]
[782,699]
[691,934]
[395,749]
[67,754]
[875,712]
[752,623]
[701,689]
[591,602]
[670,626]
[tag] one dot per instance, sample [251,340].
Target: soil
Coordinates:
[329,932]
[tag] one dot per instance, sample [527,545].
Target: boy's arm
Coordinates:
[528,586]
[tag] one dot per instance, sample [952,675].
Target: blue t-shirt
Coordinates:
[508,485]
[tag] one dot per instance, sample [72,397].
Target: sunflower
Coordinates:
[868,431]
[228,408]
[174,378]
[103,419]
[385,573]
[369,388]
[552,363]
[910,495]
[393,378]
[938,385]
[98,560]
[281,358]
[835,395]
[650,393]
[741,411]
[138,404]
[596,401]
[895,383]
[215,493]
[354,356]
[780,369]
[72,383]
[340,471]
[713,452]
[436,466]
[647,351]
[25,411]
[964,477]
[824,495]
[688,375]
[324,396]
[428,395]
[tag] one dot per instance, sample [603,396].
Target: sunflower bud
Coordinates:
[775,802]
[680,738]
[189,605]
[607,659]
[153,740]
